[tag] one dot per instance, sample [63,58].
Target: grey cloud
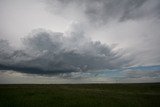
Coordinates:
[132,24]
[102,11]
[5,51]
[47,52]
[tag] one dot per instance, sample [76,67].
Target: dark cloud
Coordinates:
[133,25]
[47,52]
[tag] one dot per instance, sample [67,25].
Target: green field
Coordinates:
[80,95]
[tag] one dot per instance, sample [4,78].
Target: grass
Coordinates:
[80,95]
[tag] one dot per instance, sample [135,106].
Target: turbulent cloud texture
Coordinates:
[105,39]
[103,11]
[47,52]
[132,24]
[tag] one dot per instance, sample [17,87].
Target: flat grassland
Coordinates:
[80,95]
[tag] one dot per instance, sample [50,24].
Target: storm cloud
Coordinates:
[99,40]
[47,52]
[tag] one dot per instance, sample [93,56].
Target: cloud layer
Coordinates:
[47,52]
[103,11]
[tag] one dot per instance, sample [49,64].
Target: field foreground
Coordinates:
[80,95]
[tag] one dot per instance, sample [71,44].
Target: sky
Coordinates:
[79,41]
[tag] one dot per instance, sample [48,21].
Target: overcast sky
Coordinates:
[74,41]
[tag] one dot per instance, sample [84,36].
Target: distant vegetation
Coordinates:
[80,95]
